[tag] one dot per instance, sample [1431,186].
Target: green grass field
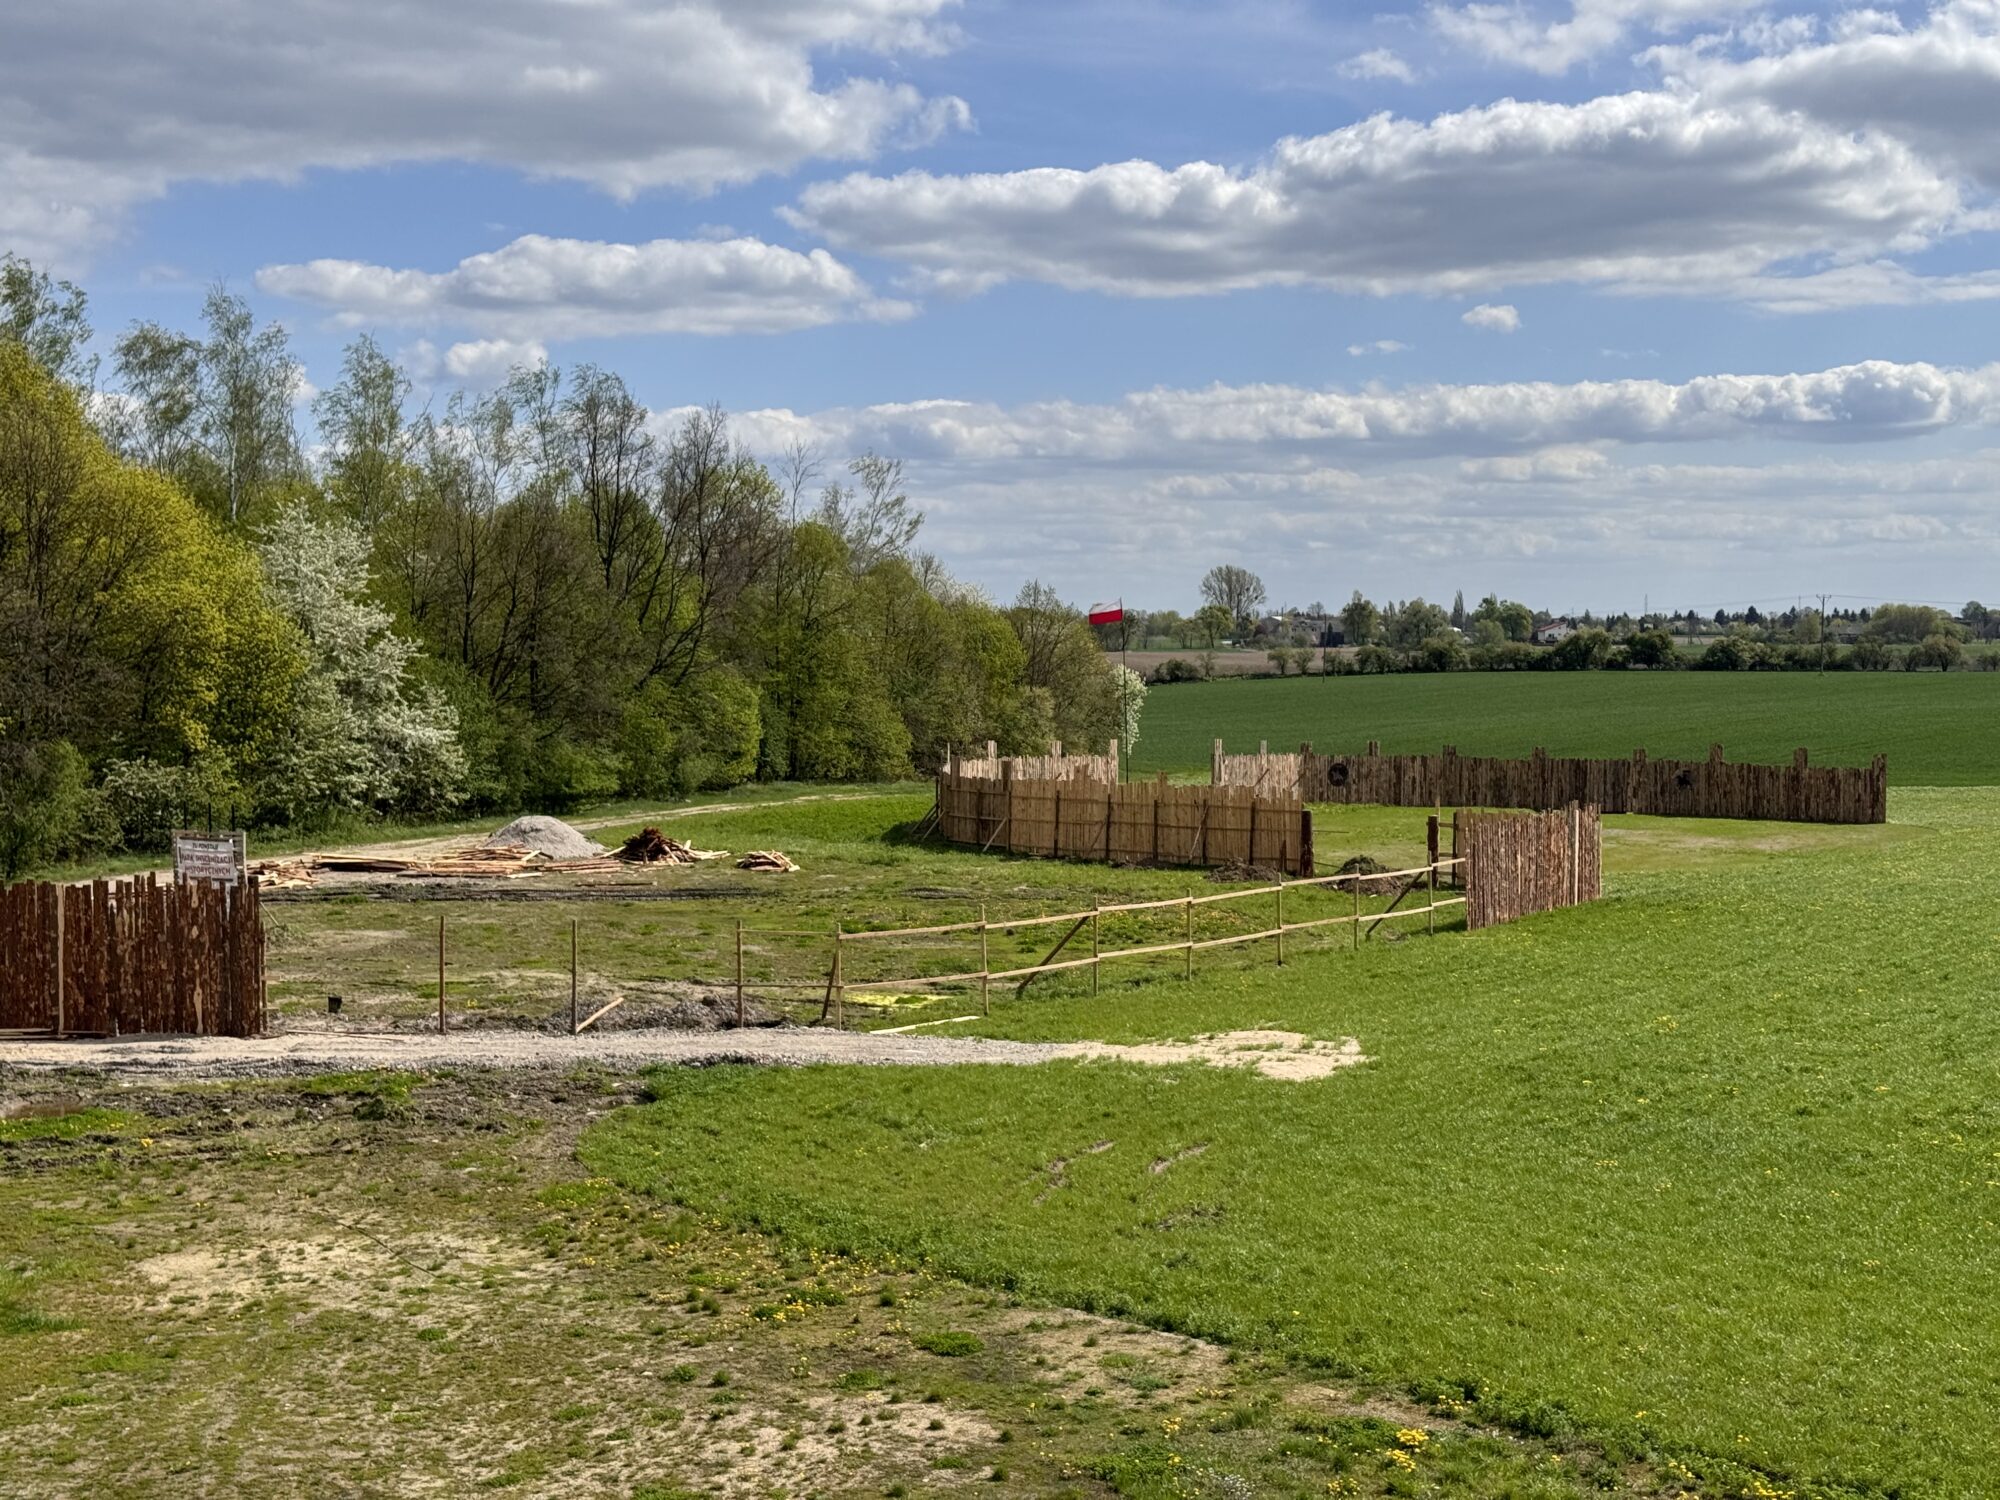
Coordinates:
[1693,1192]
[1710,1169]
[1936,728]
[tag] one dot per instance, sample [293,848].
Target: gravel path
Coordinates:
[226,1057]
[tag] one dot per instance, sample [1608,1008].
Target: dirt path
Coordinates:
[1275,1054]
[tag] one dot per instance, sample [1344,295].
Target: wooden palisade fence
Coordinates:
[140,955]
[1714,788]
[1055,766]
[1518,864]
[1147,822]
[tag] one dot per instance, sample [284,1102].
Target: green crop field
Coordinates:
[1936,728]
[1709,1170]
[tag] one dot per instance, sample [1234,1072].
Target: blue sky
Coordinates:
[1585,301]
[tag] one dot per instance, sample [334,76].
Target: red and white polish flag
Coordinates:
[1107,614]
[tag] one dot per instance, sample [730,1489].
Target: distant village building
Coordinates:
[1554,631]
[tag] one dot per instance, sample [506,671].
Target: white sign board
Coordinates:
[209,856]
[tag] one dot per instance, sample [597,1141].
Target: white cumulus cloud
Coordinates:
[1492,317]
[1378,63]
[1936,86]
[104,103]
[543,288]
[1526,35]
[1660,190]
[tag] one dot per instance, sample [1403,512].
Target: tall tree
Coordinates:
[249,381]
[159,424]
[47,318]
[1235,589]
[873,517]
[1359,620]
[361,423]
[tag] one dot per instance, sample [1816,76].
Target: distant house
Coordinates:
[1554,631]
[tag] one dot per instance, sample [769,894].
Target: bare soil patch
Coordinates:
[1286,1055]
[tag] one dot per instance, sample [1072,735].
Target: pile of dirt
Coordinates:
[551,838]
[1362,864]
[1236,871]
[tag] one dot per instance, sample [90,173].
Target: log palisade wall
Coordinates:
[1055,766]
[140,955]
[1714,788]
[1518,864]
[1147,822]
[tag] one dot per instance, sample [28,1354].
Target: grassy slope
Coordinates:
[1935,728]
[406,1284]
[1721,1151]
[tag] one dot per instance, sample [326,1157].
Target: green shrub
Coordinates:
[1732,653]
[1581,651]
[148,800]
[1439,653]
[950,1343]
[48,809]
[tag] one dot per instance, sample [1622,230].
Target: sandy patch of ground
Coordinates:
[1285,1055]
[330,1271]
[1288,1055]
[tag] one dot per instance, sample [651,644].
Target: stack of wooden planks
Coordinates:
[473,862]
[767,859]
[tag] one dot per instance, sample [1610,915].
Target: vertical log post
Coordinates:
[1281,919]
[839,984]
[1357,910]
[59,962]
[985,967]
[739,973]
[572,977]
[1096,950]
[1187,909]
[1431,852]
[440,973]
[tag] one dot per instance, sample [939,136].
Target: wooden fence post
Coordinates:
[572,977]
[1431,856]
[59,962]
[1187,909]
[1577,853]
[1096,950]
[1281,919]
[440,973]
[1356,882]
[739,973]
[985,967]
[839,984]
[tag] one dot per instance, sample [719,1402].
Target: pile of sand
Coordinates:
[549,836]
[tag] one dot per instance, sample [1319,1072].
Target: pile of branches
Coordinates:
[649,846]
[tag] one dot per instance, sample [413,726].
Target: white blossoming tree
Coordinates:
[362,734]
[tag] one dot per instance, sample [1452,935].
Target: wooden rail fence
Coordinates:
[1403,883]
[1147,822]
[140,955]
[1518,864]
[1714,788]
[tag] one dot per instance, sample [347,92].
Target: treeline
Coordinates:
[1938,645]
[536,597]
